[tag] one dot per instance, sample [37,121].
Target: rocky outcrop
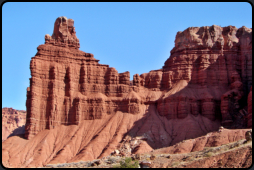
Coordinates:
[210,60]
[206,74]
[248,135]
[69,85]
[78,109]
[64,34]
[13,122]
[212,139]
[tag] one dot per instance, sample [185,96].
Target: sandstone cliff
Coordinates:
[13,122]
[69,85]
[216,63]
[208,73]
[78,109]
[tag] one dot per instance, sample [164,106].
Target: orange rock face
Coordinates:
[78,109]
[13,122]
[215,62]
[69,85]
[206,74]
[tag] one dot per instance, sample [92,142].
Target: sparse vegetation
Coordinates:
[234,145]
[191,159]
[208,154]
[116,166]
[112,160]
[128,163]
[161,160]
[175,164]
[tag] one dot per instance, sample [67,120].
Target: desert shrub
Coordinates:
[116,166]
[226,148]
[234,145]
[209,154]
[128,163]
[191,159]
[174,164]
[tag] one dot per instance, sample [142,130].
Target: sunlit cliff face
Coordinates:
[204,61]
[201,62]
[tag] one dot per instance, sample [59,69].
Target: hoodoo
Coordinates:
[78,109]
[69,85]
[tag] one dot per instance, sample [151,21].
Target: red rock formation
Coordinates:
[69,85]
[82,110]
[64,34]
[97,138]
[201,74]
[13,122]
[207,58]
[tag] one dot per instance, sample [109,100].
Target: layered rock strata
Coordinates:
[69,85]
[13,122]
[79,110]
[209,73]
[215,62]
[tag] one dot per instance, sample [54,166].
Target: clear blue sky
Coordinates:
[134,37]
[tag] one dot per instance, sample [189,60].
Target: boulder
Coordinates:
[248,135]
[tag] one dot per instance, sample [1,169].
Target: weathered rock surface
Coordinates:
[69,85]
[78,109]
[64,34]
[206,74]
[97,138]
[238,158]
[212,139]
[13,122]
[248,135]
[213,61]
[236,154]
[249,117]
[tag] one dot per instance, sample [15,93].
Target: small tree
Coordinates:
[128,163]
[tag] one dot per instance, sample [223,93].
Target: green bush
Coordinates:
[128,163]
